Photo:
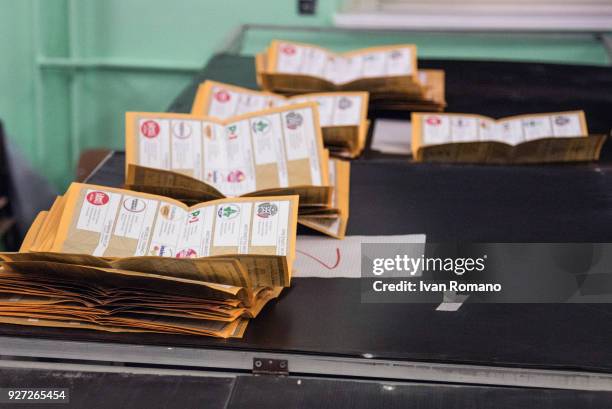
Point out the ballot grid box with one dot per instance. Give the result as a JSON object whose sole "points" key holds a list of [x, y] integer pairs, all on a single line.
{"points": [[319, 327]]}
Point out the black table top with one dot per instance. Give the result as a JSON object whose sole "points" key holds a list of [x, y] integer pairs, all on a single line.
{"points": [[326, 316], [129, 390], [468, 203]]}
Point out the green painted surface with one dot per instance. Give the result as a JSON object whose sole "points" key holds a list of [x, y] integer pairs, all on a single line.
{"points": [[53, 114]]}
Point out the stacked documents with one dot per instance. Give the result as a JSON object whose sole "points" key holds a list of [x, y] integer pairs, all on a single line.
{"points": [[117, 260], [278, 151], [389, 73], [343, 116], [532, 138]]}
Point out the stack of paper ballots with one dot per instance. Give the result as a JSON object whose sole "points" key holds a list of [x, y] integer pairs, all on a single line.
{"points": [[343, 116], [117, 260], [530, 138], [389, 73], [278, 151]]}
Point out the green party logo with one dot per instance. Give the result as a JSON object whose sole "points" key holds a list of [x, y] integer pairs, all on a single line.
{"points": [[232, 131], [228, 211], [261, 126]]}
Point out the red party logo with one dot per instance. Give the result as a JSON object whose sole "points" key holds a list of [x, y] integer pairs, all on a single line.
{"points": [[288, 49], [433, 121], [187, 253], [222, 96], [150, 129], [236, 176], [97, 198]]}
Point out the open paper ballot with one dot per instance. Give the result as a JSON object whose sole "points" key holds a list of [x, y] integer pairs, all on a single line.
{"points": [[117, 260], [547, 137], [290, 67], [109, 222], [277, 148], [273, 152], [325, 211], [342, 115]]}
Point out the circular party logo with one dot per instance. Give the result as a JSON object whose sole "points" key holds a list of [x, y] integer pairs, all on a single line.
{"points": [[222, 96], [97, 198], [134, 205], [181, 130], [187, 253], [294, 120], [149, 129], [561, 120], [288, 49], [261, 126], [236, 176], [344, 103], [228, 211], [266, 210], [433, 121]]}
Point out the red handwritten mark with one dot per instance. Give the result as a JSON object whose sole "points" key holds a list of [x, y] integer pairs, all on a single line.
{"points": [[321, 261]]}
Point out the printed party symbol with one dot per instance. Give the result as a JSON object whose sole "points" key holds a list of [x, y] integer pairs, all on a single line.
{"points": [[433, 121], [232, 132], [395, 54], [181, 130], [222, 96], [265, 210], [261, 126], [208, 132], [167, 212], [561, 120], [134, 205], [97, 198], [344, 103], [149, 129], [236, 176], [294, 120], [288, 49], [193, 217], [228, 211], [161, 250], [187, 253]]}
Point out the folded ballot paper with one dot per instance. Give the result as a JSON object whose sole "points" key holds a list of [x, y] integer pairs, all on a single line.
{"points": [[388, 73], [343, 116], [278, 151], [532, 138], [117, 260]]}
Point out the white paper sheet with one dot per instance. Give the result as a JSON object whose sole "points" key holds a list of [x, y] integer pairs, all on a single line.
{"points": [[392, 136], [327, 257]]}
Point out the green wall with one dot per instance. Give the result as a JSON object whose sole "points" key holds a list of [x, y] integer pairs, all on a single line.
{"points": [[71, 68]]}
